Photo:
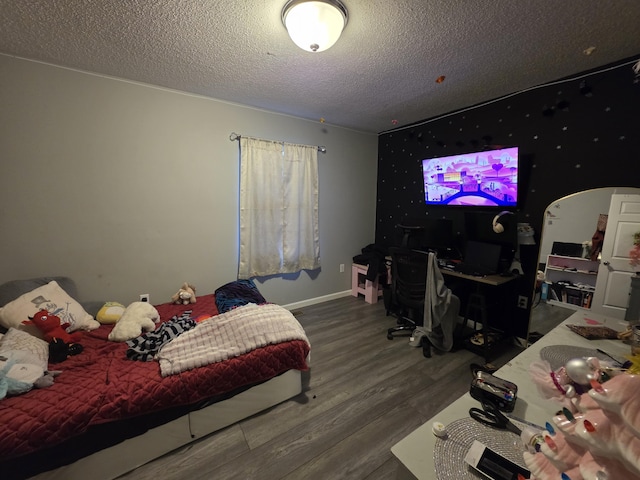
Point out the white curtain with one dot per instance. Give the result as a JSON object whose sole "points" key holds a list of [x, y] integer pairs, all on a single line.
{"points": [[278, 208]]}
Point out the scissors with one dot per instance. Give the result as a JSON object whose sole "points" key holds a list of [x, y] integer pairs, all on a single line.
{"points": [[491, 416]]}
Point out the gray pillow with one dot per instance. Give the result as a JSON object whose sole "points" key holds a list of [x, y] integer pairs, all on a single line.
{"points": [[11, 290]]}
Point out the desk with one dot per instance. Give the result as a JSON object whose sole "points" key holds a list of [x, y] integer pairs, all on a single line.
{"points": [[492, 280], [477, 301], [415, 452]]}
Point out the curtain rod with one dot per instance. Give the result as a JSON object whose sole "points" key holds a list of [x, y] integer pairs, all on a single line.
{"points": [[235, 136]]}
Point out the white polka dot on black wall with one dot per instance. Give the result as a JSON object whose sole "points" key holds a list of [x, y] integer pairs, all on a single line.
{"points": [[518, 129]]}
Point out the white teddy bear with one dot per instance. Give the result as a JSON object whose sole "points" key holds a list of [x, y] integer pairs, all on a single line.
{"points": [[138, 317]]}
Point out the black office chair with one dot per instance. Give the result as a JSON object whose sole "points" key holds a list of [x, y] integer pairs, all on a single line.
{"points": [[412, 235], [408, 284]]}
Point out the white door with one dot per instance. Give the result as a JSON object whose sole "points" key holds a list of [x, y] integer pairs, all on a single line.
{"points": [[614, 274]]}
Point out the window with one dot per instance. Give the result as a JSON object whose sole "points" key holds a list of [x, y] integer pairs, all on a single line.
{"points": [[278, 208]]}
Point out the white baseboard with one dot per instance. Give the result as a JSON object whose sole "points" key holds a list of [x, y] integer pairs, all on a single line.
{"points": [[313, 301]]}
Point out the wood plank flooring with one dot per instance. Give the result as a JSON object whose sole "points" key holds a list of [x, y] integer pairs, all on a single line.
{"points": [[545, 317], [365, 393]]}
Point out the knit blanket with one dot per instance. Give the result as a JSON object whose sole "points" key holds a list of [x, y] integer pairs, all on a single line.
{"points": [[229, 335]]}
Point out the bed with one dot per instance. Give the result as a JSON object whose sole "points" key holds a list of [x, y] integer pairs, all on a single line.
{"points": [[106, 414]]}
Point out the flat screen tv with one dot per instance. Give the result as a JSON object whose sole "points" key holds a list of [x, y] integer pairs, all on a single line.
{"points": [[480, 179]]}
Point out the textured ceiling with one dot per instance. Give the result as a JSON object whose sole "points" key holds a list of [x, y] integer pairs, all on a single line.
{"points": [[381, 73]]}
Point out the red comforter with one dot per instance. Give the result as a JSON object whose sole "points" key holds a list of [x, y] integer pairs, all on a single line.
{"points": [[100, 385]]}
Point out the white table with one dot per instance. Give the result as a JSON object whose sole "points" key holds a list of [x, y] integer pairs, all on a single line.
{"points": [[415, 452]]}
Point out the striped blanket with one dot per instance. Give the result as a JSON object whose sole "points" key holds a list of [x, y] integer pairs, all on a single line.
{"points": [[229, 335]]}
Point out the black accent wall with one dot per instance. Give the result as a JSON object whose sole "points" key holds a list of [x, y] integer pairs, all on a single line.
{"points": [[573, 134]]}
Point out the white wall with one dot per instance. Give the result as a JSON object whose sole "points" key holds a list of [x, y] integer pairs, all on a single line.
{"points": [[132, 189]]}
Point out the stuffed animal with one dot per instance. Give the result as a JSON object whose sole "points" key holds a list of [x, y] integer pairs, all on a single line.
{"points": [[110, 313], [18, 377], [8, 384], [51, 327], [138, 317], [59, 351], [185, 296]]}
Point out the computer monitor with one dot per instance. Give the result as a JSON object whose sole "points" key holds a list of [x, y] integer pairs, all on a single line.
{"points": [[479, 228]]}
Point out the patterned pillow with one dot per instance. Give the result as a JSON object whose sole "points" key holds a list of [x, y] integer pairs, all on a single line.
{"points": [[48, 297], [22, 347]]}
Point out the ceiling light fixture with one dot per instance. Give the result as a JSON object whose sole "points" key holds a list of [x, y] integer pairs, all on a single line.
{"points": [[314, 26]]}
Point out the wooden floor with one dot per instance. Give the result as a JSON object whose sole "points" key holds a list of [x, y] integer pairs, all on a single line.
{"points": [[545, 317], [365, 393]]}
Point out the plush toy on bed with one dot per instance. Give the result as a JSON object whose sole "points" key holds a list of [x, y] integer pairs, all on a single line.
{"points": [[9, 385], [185, 296], [51, 327], [110, 313], [59, 350], [18, 377], [137, 318]]}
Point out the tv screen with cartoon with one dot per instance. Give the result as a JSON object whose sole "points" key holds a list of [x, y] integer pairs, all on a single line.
{"points": [[483, 179]]}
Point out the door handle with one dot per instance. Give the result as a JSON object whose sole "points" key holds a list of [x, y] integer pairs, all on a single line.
{"points": [[605, 263]]}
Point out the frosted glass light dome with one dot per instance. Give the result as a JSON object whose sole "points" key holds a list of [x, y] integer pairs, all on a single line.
{"points": [[314, 26]]}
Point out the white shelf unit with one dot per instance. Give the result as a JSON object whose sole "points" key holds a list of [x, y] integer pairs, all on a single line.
{"points": [[571, 281]]}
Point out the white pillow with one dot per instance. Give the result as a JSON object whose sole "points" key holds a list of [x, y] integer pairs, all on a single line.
{"points": [[22, 347], [48, 297]]}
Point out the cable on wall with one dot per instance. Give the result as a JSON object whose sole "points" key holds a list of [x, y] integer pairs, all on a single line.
{"points": [[636, 65], [236, 136]]}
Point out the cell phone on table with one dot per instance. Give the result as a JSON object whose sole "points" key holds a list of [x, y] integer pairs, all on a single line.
{"points": [[493, 465]]}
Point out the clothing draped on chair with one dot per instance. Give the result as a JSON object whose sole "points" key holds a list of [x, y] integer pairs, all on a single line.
{"points": [[441, 309], [278, 208]]}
